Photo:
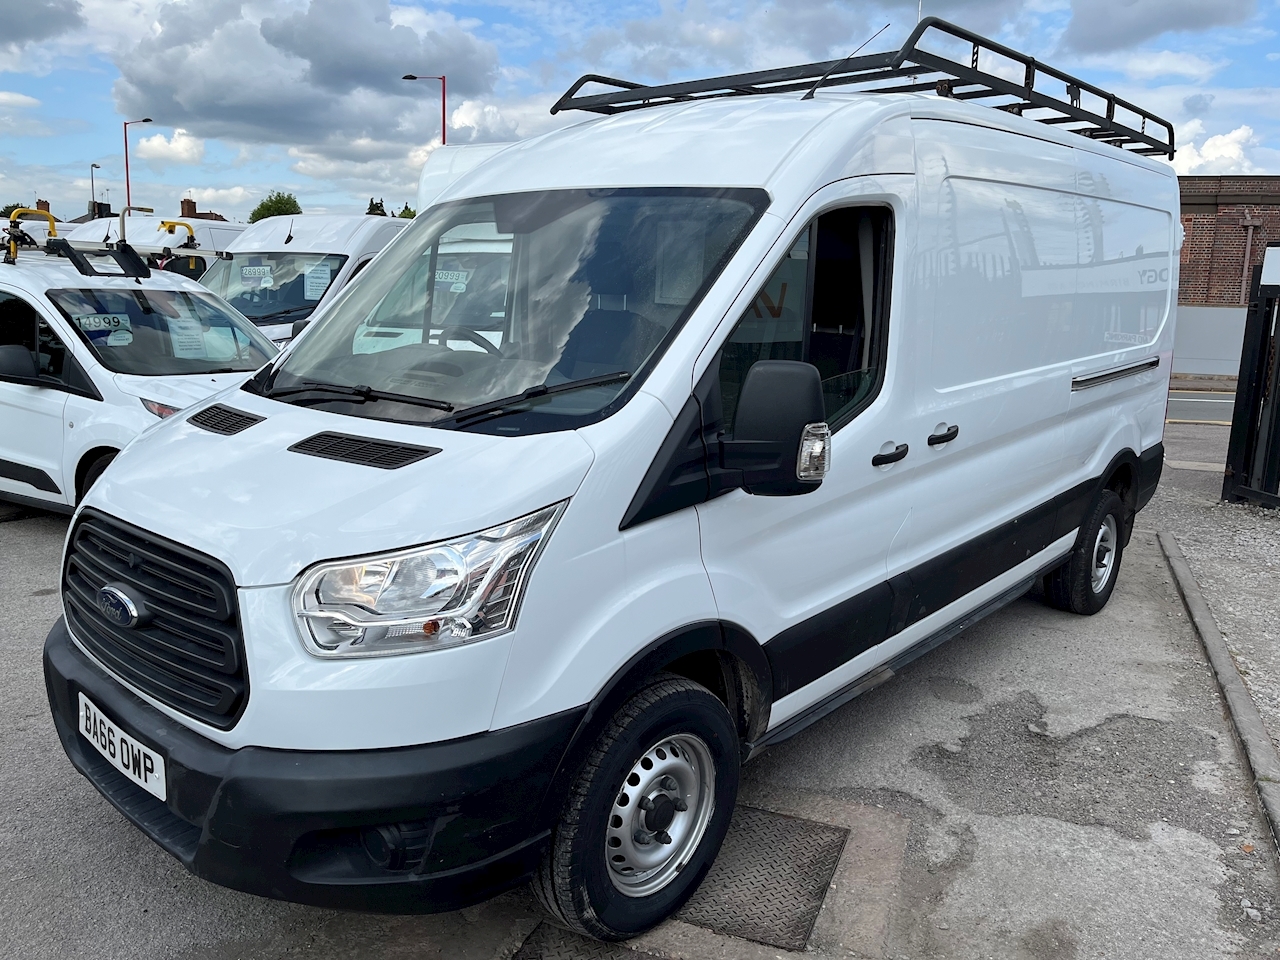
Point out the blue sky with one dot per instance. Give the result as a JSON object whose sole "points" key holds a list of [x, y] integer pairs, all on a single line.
{"points": [[305, 95]]}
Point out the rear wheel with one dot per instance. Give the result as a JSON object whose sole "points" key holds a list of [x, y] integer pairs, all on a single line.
{"points": [[647, 814], [1084, 583]]}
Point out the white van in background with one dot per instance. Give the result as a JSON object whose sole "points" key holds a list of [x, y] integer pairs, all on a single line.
{"points": [[282, 269], [95, 347], [786, 389], [186, 247]]}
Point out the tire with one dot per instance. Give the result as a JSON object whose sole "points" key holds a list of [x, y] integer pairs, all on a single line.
{"points": [[1084, 583], [583, 881], [93, 473]]}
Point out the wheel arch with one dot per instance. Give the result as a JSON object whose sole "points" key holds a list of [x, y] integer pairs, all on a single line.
{"points": [[87, 460], [1122, 475], [721, 656]]}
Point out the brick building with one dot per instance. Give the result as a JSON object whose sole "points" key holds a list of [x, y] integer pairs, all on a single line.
{"points": [[1228, 222], [1225, 217]]}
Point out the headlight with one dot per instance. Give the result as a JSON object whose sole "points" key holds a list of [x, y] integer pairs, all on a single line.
{"points": [[424, 598]]}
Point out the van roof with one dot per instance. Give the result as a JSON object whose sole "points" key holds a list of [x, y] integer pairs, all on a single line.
{"points": [[310, 232], [783, 144], [36, 272], [153, 234]]}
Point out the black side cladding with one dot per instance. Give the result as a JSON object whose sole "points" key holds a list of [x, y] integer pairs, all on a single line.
{"points": [[25, 474], [815, 647]]}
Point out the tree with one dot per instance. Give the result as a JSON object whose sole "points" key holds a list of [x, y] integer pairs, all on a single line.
{"points": [[376, 209], [275, 204], [407, 213], [8, 208]]}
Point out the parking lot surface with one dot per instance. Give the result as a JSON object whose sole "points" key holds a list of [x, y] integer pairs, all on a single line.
{"points": [[1045, 786]]}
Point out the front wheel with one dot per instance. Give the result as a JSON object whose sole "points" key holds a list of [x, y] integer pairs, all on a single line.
{"points": [[647, 814], [1084, 583]]}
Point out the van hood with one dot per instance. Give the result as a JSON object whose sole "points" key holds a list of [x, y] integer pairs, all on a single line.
{"points": [[268, 513], [180, 392]]}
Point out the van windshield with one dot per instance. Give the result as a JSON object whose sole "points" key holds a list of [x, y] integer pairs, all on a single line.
{"points": [[541, 308], [162, 332], [274, 287]]}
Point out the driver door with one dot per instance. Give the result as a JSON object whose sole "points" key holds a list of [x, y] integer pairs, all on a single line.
{"points": [[31, 416], [807, 575]]}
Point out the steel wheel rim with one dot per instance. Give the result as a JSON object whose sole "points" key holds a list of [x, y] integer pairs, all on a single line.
{"points": [[677, 771], [1104, 553]]}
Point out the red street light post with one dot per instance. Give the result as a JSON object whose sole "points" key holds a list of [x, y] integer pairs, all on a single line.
{"points": [[443, 98], [128, 196]]}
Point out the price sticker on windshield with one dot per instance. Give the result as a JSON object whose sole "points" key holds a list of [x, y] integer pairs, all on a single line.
{"points": [[253, 273], [103, 322], [452, 276]]}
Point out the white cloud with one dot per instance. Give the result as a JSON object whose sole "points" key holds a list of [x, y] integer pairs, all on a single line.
{"points": [[226, 196], [182, 147], [1102, 25], [1150, 64], [1225, 153], [10, 99]]}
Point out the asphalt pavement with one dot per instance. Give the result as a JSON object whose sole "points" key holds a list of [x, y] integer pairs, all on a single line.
{"points": [[1201, 406], [1043, 787]]}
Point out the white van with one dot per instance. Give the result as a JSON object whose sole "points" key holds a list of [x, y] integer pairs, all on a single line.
{"points": [[787, 391], [95, 348], [283, 269], [186, 247]]}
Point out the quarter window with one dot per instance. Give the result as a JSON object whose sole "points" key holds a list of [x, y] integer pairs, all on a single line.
{"points": [[827, 303]]}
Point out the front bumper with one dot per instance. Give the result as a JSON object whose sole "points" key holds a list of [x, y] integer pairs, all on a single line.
{"points": [[292, 824]]}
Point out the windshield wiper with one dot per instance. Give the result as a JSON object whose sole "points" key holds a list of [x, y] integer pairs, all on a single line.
{"points": [[505, 405], [365, 393], [280, 313]]}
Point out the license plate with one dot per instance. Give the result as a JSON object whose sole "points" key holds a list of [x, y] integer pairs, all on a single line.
{"points": [[140, 764]]}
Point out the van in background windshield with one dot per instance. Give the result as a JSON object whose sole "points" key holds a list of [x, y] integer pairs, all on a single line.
{"points": [[283, 269]]}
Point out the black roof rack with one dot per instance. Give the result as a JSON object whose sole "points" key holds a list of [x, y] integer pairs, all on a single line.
{"points": [[1080, 108], [131, 265]]}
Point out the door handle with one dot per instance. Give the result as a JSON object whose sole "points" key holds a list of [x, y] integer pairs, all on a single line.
{"points": [[884, 459], [946, 436]]}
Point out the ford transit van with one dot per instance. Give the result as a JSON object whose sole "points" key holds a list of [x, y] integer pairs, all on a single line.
{"points": [[777, 387], [95, 347], [282, 269]]}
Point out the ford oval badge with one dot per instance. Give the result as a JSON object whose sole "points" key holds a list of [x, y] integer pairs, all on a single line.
{"points": [[118, 607]]}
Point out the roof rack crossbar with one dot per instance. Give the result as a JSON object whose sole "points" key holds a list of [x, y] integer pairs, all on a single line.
{"points": [[131, 265], [870, 71]]}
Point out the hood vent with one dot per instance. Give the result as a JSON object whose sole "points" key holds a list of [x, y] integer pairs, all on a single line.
{"points": [[224, 420], [368, 453]]}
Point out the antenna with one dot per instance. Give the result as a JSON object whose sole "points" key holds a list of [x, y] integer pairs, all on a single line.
{"points": [[289, 238], [841, 63]]}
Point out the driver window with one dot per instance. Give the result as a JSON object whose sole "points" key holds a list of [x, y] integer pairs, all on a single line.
{"points": [[827, 303], [17, 323]]}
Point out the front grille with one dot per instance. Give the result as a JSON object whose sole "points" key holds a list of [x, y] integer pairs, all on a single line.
{"points": [[224, 420], [189, 654], [361, 450]]}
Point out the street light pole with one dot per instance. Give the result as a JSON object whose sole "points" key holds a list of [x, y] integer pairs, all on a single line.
{"points": [[128, 194], [444, 97], [93, 194]]}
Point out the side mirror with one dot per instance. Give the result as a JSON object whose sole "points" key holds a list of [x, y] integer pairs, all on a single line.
{"points": [[16, 362], [299, 326], [781, 441]]}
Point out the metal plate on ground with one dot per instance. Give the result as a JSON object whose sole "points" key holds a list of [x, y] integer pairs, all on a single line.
{"points": [[769, 880], [549, 942]]}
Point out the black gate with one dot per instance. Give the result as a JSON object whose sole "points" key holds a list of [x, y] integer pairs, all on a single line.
{"points": [[1253, 455]]}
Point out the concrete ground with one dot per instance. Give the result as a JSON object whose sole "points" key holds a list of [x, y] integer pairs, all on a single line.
{"points": [[1234, 551], [1044, 787]]}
